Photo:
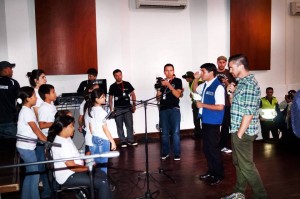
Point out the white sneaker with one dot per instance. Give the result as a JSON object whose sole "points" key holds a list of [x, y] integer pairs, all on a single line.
{"points": [[226, 150], [235, 196]]}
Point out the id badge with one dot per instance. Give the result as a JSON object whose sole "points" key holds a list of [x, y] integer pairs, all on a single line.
{"points": [[164, 96]]}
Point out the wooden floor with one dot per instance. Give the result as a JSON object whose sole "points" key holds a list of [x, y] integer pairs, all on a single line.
{"points": [[279, 169]]}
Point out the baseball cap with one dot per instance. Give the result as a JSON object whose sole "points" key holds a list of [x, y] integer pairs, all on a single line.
{"points": [[188, 74], [4, 64]]}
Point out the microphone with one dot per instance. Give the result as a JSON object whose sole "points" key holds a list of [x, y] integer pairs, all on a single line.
{"points": [[49, 143], [109, 154], [111, 115]]}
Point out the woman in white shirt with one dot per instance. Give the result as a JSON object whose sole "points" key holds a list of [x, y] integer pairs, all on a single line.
{"points": [[37, 78], [28, 132], [73, 172]]}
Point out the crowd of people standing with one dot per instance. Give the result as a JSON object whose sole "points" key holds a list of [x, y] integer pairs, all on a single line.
{"points": [[227, 112]]}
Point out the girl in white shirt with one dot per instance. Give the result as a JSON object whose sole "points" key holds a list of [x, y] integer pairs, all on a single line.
{"points": [[101, 137], [37, 78], [28, 132], [73, 172]]}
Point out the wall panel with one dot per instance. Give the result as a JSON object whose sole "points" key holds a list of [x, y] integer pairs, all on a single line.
{"points": [[66, 36], [250, 31]]}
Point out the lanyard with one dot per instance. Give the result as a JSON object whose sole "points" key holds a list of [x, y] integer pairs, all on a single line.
{"points": [[167, 87], [203, 91], [122, 85]]}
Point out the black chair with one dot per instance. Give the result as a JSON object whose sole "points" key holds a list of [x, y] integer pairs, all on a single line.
{"points": [[81, 192]]}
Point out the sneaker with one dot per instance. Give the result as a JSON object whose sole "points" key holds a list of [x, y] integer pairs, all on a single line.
{"points": [[205, 177], [226, 150], [177, 158], [235, 196], [123, 144], [132, 143], [215, 180], [163, 157]]}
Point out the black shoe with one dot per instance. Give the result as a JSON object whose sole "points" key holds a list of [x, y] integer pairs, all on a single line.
{"points": [[215, 180], [205, 177], [132, 143], [124, 144]]}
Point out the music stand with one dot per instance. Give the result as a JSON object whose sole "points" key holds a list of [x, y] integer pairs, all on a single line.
{"points": [[148, 193]]}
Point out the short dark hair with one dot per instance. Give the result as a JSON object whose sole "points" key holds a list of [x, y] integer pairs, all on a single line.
{"points": [[116, 71], [240, 59], [45, 89], [269, 88], [168, 64], [92, 71], [210, 67]]}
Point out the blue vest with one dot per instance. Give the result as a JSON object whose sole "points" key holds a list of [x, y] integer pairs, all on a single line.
{"points": [[212, 116]]}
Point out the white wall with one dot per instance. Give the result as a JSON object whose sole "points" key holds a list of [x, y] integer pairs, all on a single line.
{"points": [[141, 41]]}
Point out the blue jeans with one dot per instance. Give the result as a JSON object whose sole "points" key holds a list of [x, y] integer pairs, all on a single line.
{"points": [[100, 146], [8, 129], [124, 116], [30, 189], [169, 121], [40, 155]]}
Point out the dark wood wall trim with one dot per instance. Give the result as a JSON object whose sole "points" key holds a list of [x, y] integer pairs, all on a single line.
{"points": [[66, 36], [250, 31]]}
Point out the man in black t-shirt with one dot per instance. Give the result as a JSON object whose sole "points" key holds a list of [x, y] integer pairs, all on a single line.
{"points": [[169, 112], [9, 89], [121, 93], [92, 76], [226, 78]]}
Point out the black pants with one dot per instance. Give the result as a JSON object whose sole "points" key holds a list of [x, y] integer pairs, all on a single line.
{"points": [[211, 139], [266, 127], [100, 183], [225, 137], [197, 129]]}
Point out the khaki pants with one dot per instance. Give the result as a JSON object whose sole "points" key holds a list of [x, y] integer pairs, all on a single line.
{"points": [[246, 171]]}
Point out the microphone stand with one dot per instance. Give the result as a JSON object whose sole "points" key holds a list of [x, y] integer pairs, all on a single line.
{"points": [[148, 193]]}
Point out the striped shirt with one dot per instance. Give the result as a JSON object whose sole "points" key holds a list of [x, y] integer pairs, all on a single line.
{"points": [[246, 101]]}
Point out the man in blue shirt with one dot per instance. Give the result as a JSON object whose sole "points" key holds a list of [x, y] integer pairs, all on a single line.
{"points": [[211, 111]]}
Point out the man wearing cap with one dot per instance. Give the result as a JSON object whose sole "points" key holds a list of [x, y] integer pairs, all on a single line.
{"points": [[9, 89], [226, 78], [189, 77]]}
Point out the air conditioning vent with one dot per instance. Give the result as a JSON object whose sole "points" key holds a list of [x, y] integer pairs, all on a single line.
{"points": [[295, 8], [173, 4]]}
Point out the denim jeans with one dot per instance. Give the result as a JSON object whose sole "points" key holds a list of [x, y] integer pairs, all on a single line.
{"points": [[40, 155], [100, 146], [8, 129], [124, 116], [30, 189], [169, 120]]}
